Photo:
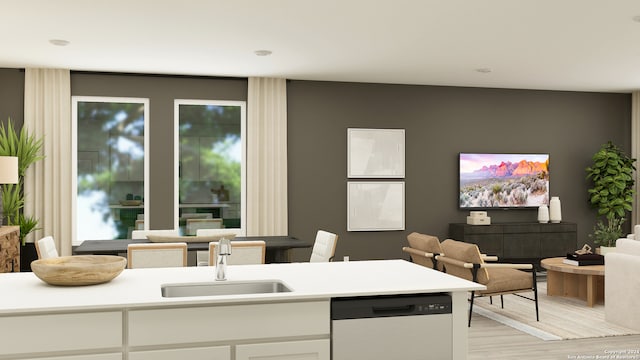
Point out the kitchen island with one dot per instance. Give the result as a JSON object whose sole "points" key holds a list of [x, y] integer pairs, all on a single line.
{"points": [[128, 318]]}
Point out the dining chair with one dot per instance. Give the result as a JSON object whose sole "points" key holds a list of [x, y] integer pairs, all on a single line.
{"points": [[156, 255], [242, 252], [194, 224], [215, 232], [46, 248], [142, 234], [324, 247]]}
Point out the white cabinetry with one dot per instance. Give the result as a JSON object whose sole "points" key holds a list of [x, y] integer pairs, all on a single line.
{"points": [[256, 331], [292, 350], [200, 353], [34, 336]]}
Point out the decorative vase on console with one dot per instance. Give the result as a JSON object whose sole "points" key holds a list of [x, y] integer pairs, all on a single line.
{"points": [[555, 210], [543, 214]]}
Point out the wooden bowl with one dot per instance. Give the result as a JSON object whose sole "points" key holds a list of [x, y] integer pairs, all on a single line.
{"points": [[130, 202], [79, 269]]}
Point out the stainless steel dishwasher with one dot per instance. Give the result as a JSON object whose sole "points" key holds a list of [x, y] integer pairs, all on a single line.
{"points": [[392, 327]]}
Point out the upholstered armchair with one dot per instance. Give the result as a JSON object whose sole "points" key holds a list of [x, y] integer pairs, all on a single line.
{"points": [[423, 250], [622, 284], [464, 260]]}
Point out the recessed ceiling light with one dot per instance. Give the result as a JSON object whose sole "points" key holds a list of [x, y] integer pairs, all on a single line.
{"points": [[484, 70], [636, 18], [59, 42], [262, 52]]}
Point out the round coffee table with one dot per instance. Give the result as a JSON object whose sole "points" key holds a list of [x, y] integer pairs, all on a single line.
{"points": [[582, 282]]}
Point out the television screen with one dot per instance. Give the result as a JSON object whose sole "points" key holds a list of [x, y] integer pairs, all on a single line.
{"points": [[503, 180]]}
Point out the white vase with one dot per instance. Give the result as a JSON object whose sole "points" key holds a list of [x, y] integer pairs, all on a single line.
{"points": [[543, 214], [555, 210]]}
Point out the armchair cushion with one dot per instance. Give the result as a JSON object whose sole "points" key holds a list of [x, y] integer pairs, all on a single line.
{"points": [[465, 252], [507, 280]]}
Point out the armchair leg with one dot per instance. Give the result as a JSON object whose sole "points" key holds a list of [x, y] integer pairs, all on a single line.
{"points": [[471, 308], [501, 301], [491, 300], [535, 292]]}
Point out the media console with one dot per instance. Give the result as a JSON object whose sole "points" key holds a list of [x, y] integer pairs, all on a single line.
{"points": [[519, 241]]}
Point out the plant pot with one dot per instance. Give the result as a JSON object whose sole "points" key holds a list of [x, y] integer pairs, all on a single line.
{"points": [[28, 254], [605, 249]]}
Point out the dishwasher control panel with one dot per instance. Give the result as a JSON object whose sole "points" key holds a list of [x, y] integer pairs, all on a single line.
{"points": [[394, 305]]}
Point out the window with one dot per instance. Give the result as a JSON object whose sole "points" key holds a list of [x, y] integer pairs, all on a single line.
{"points": [[210, 153], [111, 166]]}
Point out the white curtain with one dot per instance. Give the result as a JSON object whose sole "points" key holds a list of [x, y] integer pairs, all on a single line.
{"points": [[47, 115], [267, 212], [635, 152]]}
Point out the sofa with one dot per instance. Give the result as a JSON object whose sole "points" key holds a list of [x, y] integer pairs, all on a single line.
{"points": [[622, 289], [635, 235]]}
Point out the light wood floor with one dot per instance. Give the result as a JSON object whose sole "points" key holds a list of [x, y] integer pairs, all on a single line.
{"points": [[490, 340]]}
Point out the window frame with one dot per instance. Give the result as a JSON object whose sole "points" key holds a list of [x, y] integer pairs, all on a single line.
{"points": [[75, 100], [243, 168]]}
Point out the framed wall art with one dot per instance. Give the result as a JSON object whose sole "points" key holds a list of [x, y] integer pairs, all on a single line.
{"points": [[375, 153]]}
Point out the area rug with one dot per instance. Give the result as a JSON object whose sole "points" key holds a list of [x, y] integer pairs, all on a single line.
{"points": [[560, 318]]}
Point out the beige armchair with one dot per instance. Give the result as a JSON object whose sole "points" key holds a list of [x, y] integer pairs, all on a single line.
{"points": [[423, 250], [464, 260]]}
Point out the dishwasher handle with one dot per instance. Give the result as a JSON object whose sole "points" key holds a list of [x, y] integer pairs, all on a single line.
{"points": [[393, 310]]}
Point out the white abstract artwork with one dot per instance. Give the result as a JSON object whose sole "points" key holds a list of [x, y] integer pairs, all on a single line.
{"points": [[375, 205], [375, 153]]}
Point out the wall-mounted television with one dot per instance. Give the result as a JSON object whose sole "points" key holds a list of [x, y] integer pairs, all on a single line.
{"points": [[506, 181]]}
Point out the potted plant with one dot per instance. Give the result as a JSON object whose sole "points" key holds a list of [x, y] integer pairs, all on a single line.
{"points": [[27, 148], [611, 193]]}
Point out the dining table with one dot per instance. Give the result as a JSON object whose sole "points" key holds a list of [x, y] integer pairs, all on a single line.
{"points": [[278, 248]]}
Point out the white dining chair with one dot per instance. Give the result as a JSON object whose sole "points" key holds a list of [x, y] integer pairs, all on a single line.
{"points": [[194, 224], [242, 252], [46, 248], [324, 248], [142, 234], [156, 255]]}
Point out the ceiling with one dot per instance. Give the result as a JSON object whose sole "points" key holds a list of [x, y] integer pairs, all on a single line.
{"points": [[575, 45]]}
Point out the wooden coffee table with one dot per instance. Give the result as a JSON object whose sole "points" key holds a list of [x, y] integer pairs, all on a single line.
{"points": [[582, 282]]}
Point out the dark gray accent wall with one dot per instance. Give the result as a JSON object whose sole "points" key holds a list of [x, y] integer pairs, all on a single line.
{"points": [[440, 122], [161, 91], [12, 96]]}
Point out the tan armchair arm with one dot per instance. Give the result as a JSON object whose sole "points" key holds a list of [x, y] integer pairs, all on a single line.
{"points": [[486, 257], [417, 252], [454, 262], [509, 266]]}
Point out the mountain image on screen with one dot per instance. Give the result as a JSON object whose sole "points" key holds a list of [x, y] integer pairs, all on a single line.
{"points": [[503, 180]]}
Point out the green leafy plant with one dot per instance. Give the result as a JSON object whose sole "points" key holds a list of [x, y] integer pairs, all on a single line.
{"points": [[612, 191], [27, 224], [28, 150]]}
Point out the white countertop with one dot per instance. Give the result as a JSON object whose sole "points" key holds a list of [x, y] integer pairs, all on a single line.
{"points": [[24, 292]]}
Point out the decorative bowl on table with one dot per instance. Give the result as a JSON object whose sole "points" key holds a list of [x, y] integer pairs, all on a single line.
{"points": [[79, 269], [130, 202]]}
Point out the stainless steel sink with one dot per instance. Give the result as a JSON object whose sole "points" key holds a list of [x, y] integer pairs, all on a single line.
{"points": [[224, 288]]}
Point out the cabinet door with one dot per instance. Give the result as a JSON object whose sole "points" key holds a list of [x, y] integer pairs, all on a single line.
{"points": [[557, 244], [61, 332], [200, 353], [292, 350], [521, 246], [115, 356], [490, 244]]}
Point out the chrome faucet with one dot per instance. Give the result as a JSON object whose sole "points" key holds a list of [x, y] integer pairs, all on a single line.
{"points": [[223, 250]]}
